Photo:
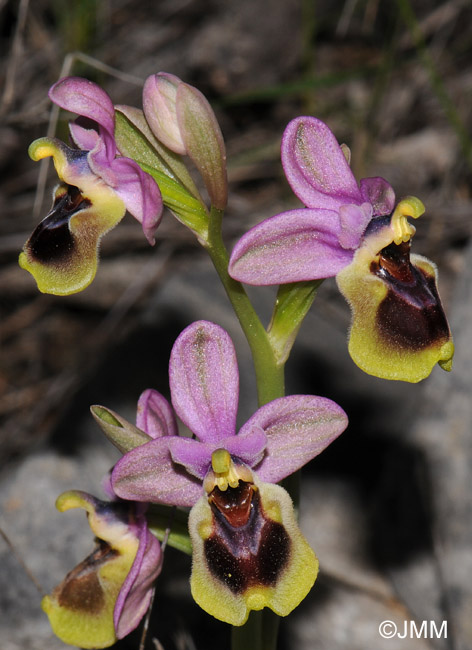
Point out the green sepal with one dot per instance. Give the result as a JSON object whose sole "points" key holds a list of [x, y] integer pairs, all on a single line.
{"points": [[124, 435], [160, 518], [291, 306], [135, 139], [179, 193], [185, 207]]}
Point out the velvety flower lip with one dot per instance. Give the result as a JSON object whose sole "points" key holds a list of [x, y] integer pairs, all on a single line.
{"points": [[399, 329], [319, 240], [248, 552], [204, 389], [105, 597], [97, 187]]}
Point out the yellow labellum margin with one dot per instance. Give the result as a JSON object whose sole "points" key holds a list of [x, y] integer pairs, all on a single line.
{"points": [[399, 329], [248, 551], [81, 608], [62, 252]]}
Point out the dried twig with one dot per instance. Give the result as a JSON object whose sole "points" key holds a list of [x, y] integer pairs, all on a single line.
{"points": [[20, 560], [12, 65]]}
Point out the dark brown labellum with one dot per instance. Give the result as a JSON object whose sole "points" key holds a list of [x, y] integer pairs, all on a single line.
{"points": [[52, 240], [81, 589], [246, 548], [411, 314]]}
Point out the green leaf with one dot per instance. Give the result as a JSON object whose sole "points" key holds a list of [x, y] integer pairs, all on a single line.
{"points": [[291, 306], [187, 209], [160, 518]]}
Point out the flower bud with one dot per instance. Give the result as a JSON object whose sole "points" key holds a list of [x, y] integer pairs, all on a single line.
{"points": [[159, 106], [183, 120]]}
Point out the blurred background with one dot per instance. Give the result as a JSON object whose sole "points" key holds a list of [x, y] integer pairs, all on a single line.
{"points": [[387, 508]]}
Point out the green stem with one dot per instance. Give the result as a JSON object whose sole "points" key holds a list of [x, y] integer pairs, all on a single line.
{"points": [[260, 630], [269, 373]]}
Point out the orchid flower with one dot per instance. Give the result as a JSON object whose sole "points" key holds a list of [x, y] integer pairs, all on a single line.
{"points": [[97, 187], [354, 232], [105, 597], [248, 552]]}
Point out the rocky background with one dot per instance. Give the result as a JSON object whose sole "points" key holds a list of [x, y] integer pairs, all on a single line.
{"points": [[388, 507]]}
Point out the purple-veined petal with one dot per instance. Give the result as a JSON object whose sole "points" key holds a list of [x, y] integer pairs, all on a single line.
{"points": [[379, 193], [147, 473], [140, 193], [289, 247], [155, 415], [315, 165], [85, 98], [298, 428], [354, 220], [135, 594], [204, 381]]}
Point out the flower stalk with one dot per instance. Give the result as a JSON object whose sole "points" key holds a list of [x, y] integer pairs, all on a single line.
{"points": [[269, 373]]}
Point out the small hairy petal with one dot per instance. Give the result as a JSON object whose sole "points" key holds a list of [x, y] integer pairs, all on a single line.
{"points": [[194, 455], [315, 165], [155, 415], [204, 381], [290, 247], [248, 446], [85, 139], [298, 428], [379, 193]]}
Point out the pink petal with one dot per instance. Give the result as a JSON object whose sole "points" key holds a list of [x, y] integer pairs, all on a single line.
{"points": [[194, 455], [85, 98], [155, 415], [140, 193], [379, 194], [289, 247], [298, 428], [204, 382], [248, 446], [354, 220], [135, 594], [85, 139], [147, 473], [315, 165]]}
